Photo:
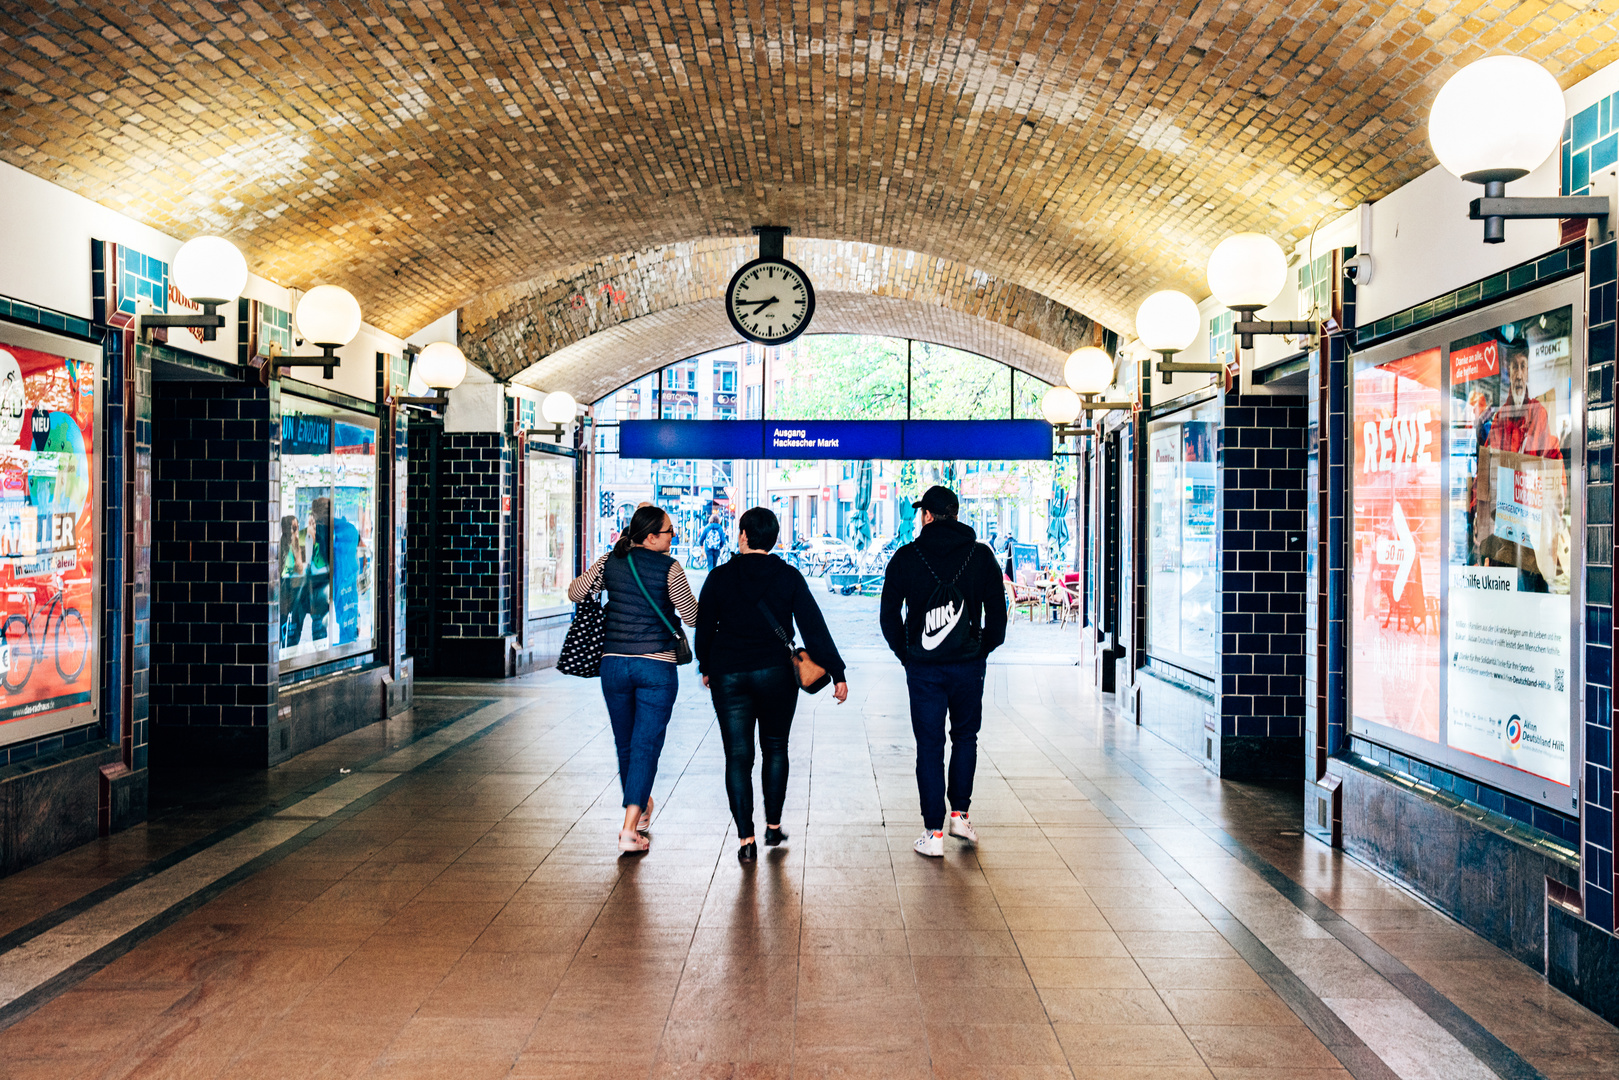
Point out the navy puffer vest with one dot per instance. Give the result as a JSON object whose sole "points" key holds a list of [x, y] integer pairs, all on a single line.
{"points": [[633, 628]]}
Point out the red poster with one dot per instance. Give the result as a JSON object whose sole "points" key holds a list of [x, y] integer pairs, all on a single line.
{"points": [[47, 534], [1398, 511]]}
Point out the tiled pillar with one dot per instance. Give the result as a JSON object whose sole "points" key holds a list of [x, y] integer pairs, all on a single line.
{"points": [[214, 608], [460, 498], [1597, 848], [1262, 587]]}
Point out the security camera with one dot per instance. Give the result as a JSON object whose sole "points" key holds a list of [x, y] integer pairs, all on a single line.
{"points": [[1359, 269]]}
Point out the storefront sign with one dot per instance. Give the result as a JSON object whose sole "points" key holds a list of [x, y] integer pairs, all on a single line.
{"points": [[48, 531]]}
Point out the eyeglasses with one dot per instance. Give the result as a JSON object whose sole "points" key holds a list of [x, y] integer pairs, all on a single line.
{"points": [[670, 531]]}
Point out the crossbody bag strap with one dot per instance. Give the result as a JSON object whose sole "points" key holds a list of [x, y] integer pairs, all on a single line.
{"points": [[636, 574], [770, 617]]}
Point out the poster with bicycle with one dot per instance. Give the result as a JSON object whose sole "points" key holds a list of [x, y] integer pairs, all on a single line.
{"points": [[48, 533]]}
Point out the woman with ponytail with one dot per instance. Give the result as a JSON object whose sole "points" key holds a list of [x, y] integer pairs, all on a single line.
{"points": [[648, 596]]}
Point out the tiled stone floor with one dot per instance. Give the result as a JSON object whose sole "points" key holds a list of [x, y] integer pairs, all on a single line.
{"points": [[455, 907]]}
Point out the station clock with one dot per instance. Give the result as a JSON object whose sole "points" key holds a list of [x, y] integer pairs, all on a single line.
{"points": [[770, 300]]}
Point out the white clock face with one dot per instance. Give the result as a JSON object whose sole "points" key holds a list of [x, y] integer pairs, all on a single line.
{"points": [[771, 301]]}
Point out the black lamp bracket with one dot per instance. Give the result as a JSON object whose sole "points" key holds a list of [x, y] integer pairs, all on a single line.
{"points": [[1104, 406], [1246, 326], [1169, 368], [1495, 208], [433, 402], [329, 361], [1064, 432], [210, 322]]}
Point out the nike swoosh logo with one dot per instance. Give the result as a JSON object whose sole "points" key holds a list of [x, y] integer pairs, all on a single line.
{"points": [[938, 624]]}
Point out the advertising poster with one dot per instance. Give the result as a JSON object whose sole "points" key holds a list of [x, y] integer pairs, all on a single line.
{"points": [[1509, 637], [47, 535], [1182, 621], [1398, 438], [550, 531], [327, 535]]}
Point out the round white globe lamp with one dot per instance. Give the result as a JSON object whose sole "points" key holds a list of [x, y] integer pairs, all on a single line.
{"points": [[209, 270], [1497, 119], [441, 366], [1167, 322], [558, 407], [1247, 271], [1060, 406], [1088, 371], [328, 316]]}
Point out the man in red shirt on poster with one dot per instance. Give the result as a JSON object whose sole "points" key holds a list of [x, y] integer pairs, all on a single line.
{"points": [[1520, 424]]}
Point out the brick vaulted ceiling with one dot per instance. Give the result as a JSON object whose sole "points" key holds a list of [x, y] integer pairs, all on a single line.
{"points": [[441, 154]]}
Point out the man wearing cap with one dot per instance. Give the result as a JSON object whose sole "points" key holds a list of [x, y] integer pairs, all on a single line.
{"points": [[954, 616]]}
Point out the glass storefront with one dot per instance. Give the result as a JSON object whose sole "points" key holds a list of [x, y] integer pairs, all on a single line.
{"points": [[548, 545], [1466, 504], [1183, 625], [326, 532]]}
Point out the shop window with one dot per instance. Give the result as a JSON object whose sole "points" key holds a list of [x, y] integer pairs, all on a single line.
{"points": [[1464, 630], [49, 533], [326, 532], [549, 541], [1183, 607]]}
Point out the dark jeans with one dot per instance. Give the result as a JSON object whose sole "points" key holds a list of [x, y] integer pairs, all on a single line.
{"points": [[937, 690], [640, 695], [742, 700], [713, 558]]}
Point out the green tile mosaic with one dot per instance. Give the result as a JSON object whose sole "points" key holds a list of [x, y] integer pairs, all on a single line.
{"points": [[1556, 264], [1590, 142]]}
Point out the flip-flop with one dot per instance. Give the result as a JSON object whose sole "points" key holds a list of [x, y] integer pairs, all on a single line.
{"points": [[632, 842], [644, 826]]}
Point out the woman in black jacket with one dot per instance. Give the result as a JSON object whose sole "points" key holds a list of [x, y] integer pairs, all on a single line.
{"points": [[746, 663]]}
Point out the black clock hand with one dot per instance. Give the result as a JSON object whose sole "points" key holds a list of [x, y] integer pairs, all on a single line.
{"points": [[759, 305]]}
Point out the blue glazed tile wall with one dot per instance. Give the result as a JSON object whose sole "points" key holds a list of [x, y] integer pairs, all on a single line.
{"points": [[1261, 581], [1597, 848], [474, 482], [214, 607]]}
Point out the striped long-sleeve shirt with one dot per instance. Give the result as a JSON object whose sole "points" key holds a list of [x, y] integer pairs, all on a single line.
{"points": [[680, 595]]}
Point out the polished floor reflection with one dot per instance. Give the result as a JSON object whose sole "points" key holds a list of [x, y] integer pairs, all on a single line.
{"points": [[453, 905]]}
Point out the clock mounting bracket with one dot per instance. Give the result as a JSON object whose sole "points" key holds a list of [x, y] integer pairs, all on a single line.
{"points": [[772, 241]]}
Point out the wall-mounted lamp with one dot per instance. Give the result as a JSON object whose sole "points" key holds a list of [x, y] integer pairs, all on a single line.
{"points": [[1246, 273], [328, 317], [1089, 372], [441, 366], [1496, 120], [1166, 323], [209, 271], [558, 409]]}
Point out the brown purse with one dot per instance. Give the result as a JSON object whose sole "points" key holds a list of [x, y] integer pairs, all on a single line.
{"points": [[812, 677]]}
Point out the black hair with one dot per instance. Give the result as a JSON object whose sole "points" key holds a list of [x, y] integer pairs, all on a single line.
{"points": [[645, 522], [761, 528]]}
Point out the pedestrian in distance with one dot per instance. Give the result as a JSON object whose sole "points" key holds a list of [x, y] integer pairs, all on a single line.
{"points": [[744, 629], [713, 540], [942, 614], [648, 596]]}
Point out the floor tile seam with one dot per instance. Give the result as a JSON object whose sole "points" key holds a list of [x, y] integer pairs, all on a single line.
{"points": [[1490, 1050], [156, 866], [1300, 999], [72, 974]]}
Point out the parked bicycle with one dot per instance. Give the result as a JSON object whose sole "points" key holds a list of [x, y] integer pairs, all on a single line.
{"points": [[20, 650]]}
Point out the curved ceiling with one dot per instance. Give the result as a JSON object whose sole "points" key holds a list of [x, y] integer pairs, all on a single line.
{"points": [[603, 361], [426, 153], [508, 330]]}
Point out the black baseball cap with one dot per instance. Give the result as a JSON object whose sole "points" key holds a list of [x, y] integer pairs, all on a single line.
{"points": [[938, 500]]}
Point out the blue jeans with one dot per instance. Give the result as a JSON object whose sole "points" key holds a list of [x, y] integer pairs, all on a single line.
{"points": [[938, 690], [640, 695]]}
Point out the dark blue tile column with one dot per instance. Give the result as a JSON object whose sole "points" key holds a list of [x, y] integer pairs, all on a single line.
{"points": [[1597, 845], [459, 577], [215, 478], [1262, 586]]}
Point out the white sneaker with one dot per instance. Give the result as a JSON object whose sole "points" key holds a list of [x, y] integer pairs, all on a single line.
{"points": [[960, 826], [931, 844]]}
